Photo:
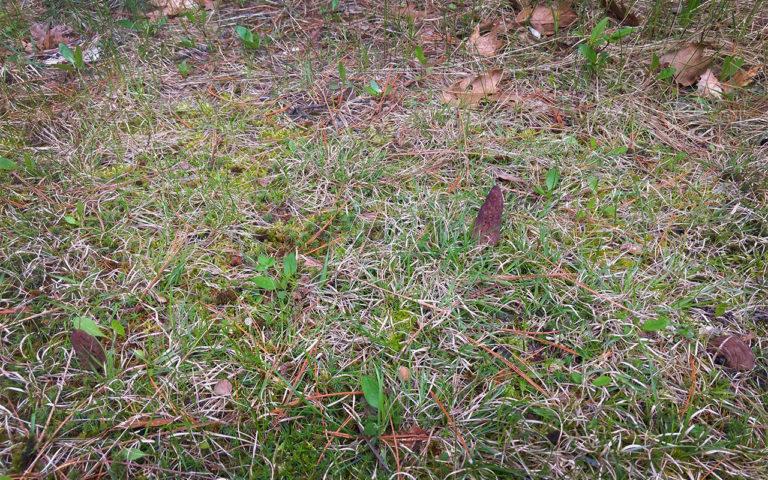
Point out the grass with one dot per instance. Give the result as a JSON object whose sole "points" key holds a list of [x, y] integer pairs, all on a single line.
{"points": [[151, 199]]}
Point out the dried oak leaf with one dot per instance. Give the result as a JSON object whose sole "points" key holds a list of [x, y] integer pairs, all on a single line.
{"points": [[88, 350], [620, 12], [733, 350], [689, 63], [223, 388], [471, 90], [546, 19], [709, 86], [171, 8], [409, 10], [487, 227], [486, 44], [47, 37], [741, 79]]}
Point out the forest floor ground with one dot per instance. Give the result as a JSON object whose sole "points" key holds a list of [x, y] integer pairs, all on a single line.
{"points": [[268, 231]]}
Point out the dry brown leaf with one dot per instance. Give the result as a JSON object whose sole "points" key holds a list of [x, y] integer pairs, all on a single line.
{"points": [[170, 8], [621, 12], [689, 63], [733, 350], [310, 262], [487, 227], [47, 37], [546, 19], [741, 79], [223, 388], [486, 45], [471, 90], [88, 350], [409, 10], [710, 86], [505, 176]]}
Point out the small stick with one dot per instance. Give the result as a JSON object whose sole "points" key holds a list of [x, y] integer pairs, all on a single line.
{"points": [[692, 388], [511, 365], [451, 423]]}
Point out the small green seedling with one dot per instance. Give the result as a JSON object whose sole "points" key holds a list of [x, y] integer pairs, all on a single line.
{"points": [[342, 74], [279, 282], [73, 57], [184, 68], [251, 41], [592, 47], [7, 164]]}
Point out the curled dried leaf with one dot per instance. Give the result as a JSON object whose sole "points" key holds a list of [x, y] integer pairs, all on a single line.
{"points": [[547, 19], [741, 79], [47, 37], [620, 12], [689, 63], [733, 350], [172, 8], [471, 90], [487, 227], [409, 10], [223, 388], [88, 350], [709, 86], [485, 44]]}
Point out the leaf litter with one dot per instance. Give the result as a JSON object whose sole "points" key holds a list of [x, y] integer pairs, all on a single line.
{"points": [[472, 89], [733, 350], [546, 20], [488, 43], [47, 36], [689, 63], [487, 227], [88, 350]]}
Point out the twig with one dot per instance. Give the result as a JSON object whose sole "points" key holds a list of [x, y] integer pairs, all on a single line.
{"points": [[692, 388], [511, 365], [451, 423]]}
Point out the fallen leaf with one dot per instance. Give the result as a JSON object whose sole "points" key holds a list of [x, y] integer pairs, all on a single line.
{"points": [[617, 10], [741, 79], [472, 89], [546, 19], [409, 10], [487, 44], [223, 388], [734, 350], [310, 262], [170, 8], [710, 86], [235, 260], [487, 227], [47, 37], [88, 350], [369, 216], [689, 63], [505, 176], [225, 296]]}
